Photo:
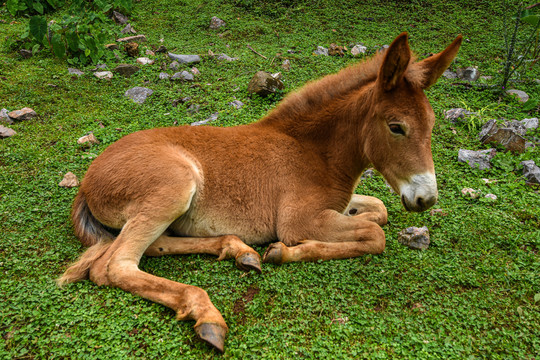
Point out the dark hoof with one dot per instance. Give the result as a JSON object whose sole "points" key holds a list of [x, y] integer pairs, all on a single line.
{"points": [[249, 261], [274, 253], [212, 334]]}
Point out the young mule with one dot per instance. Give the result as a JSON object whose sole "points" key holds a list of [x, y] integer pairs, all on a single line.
{"points": [[289, 177]]}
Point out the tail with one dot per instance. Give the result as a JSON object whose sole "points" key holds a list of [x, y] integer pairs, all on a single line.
{"points": [[91, 233]]}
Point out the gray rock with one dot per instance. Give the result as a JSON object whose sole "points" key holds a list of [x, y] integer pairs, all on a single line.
{"points": [[193, 108], [126, 69], [517, 126], [530, 124], [88, 139], [226, 57], [286, 65], [138, 94], [468, 74], [531, 172], [368, 174], [358, 49], [6, 132], [25, 53], [321, 51], [264, 84], [69, 181], [184, 76], [76, 72], [456, 115], [449, 74], [164, 76], [236, 104], [488, 128], [477, 159], [4, 117], [521, 95], [112, 47], [174, 65], [128, 30], [23, 114], [491, 196], [185, 59], [120, 18], [415, 238], [211, 118], [132, 38], [103, 75], [510, 136], [216, 23]]}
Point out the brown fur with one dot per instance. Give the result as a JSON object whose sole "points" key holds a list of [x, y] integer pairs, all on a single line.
{"points": [[288, 177]]}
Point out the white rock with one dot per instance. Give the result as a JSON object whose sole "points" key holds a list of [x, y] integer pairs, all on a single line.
{"points": [[69, 181], [358, 49], [521, 95], [103, 75], [145, 61], [90, 139]]}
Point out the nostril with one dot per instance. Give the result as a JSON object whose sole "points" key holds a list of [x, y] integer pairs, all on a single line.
{"points": [[420, 202]]}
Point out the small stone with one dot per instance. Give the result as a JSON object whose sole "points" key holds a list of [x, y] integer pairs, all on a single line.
{"points": [[468, 74], [488, 181], [145, 61], [449, 74], [477, 159], [103, 75], [531, 172], [161, 49], [286, 65], [132, 49], [174, 65], [264, 84], [216, 23], [185, 59], [469, 192], [415, 238], [521, 95], [508, 138], [336, 50], [132, 38], [530, 124], [226, 57], [88, 139], [491, 196], [138, 94], [128, 30], [368, 174], [211, 118], [195, 71], [6, 132], [321, 51], [69, 181], [184, 76], [488, 128], [23, 114], [358, 49], [76, 72], [126, 69], [164, 76], [26, 54], [119, 18], [150, 52], [4, 117], [457, 114], [112, 47], [237, 104]]}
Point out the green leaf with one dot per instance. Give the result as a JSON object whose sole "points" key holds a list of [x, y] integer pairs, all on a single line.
{"points": [[530, 104], [15, 6], [58, 46], [35, 49], [72, 40], [38, 28], [87, 52], [537, 297], [38, 7], [531, 19]]}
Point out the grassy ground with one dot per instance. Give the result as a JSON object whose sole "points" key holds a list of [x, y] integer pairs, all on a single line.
{"points": [[472, 294]]}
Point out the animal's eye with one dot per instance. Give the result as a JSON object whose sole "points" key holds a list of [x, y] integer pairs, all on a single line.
{"points": [[397, 129]]}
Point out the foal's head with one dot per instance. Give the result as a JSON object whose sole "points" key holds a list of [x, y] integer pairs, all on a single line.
{"points": [[398, 135]]}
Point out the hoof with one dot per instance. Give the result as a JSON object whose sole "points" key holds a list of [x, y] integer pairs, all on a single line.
{"points": [[274, 253], [212, 334], [249, 261]]}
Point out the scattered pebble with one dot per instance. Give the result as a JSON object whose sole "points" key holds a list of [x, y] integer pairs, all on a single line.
{"points": [[76, 72], [184, 76], [120, 18], [531, 172], [449, 74], [103, 75], [185, 59], [69, 181], [491, 196], [477, 159], [26, 54], [469, 192], [521, 95], [128, 30], [216, 23], [236, 104], [164, 76], [336, 50], [457, 114], [145, 61], [23, 114], [468, 74], [321, 51], [211, 118], [126, 69], [286, 65], [88, 139], [139, 94], [4, 117], [226, 57], [414, 238], [6, 132], [112, 47], [358, 49], [264, 83], [132, 38], [195, 71], [132, 49]]}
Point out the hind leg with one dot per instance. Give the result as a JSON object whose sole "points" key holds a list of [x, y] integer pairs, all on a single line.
{"points": [[224, 247]]}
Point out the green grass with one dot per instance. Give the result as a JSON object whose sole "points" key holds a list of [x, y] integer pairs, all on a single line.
{"points": [[470, 295]]}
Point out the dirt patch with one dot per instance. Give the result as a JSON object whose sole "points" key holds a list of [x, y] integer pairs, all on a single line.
{"points": [[240, 304]]}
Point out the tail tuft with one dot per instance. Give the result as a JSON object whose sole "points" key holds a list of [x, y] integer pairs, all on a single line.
{"points": [[87, 228]]}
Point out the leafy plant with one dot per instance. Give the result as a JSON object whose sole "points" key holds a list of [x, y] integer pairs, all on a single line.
{"points": [[33, 6]]}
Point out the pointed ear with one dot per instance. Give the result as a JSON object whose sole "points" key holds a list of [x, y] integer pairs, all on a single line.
{"points": [[396, 61], [434, 66]]}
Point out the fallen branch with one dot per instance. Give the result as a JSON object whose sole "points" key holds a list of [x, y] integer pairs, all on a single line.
{"points": [[255, 51]]}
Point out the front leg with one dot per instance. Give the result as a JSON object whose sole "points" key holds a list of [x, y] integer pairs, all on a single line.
{"points": [[332, 236]]}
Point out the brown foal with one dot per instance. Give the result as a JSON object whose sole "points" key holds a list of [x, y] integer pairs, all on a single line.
{"points": [[288, 177]]}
